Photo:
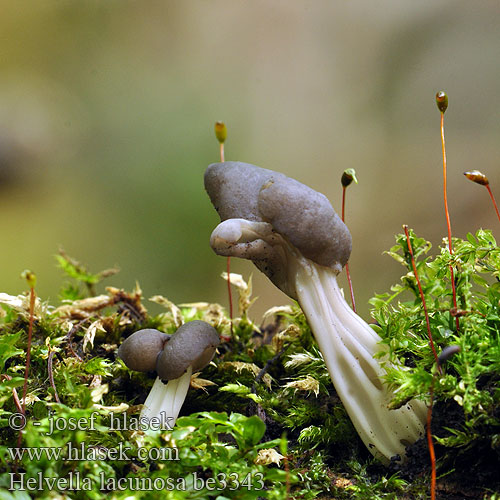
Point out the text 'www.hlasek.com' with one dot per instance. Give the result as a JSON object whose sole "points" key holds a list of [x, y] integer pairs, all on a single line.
{"points": [[74, 452]]}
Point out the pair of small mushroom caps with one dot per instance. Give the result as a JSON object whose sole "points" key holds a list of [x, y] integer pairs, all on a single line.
{"points": [[174, 357]]}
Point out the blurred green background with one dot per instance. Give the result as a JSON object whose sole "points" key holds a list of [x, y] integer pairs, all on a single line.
{"points": [[106, 126]]}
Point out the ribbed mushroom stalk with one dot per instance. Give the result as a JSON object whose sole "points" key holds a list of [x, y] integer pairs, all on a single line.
{"points": [[175, 358], [294, 236], [165, 400]]}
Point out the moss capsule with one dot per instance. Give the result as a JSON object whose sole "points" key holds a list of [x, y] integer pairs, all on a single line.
{"points": [[348, 176], [477, 177], [220, 131], [442, 101]]}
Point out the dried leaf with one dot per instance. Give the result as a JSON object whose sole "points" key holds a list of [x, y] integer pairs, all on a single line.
{"points": [[291, 332], [30, 399], [213, 313], [96, 381], [13, 301], [98, 392], [174, 310], [268, 456], [132, 300], [115, 409], [83, 308], [200, 383], [306, 384], [89, 336], [342, 482], [195, 305], [21, 303], [244, 291], [299, 359], [236, 280], [278, 310]]}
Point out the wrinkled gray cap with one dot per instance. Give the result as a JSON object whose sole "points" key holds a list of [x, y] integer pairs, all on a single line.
{"points": [[194, 344], [300, 214], [140, 351]]}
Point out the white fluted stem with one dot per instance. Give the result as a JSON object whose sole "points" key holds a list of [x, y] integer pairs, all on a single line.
{"points": [[348, 345], [346, 342], [165, 400]]}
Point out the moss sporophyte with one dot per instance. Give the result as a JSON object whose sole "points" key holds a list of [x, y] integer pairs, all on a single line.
{"points": [[263, 419]]}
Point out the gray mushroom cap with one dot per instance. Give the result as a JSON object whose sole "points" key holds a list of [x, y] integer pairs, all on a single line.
{"points": [[297, 212], [140, 351], [194, 344]]}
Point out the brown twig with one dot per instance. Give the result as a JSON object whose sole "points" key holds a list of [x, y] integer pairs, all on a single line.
{"points": [[132, 311], [51, 375], [265, 368], [15, 397], [462, 312], [69, 337]]}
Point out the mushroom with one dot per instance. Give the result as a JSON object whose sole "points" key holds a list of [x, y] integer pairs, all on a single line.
{"points": [[294, 236], [175, 358], [140, 350]]}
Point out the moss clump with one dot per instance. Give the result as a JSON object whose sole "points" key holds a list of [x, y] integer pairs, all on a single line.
{"points": [[263, 420]]}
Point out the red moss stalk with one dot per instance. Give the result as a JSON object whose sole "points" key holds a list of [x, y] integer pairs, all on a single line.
{"points": [[479, 178], [430, 443], [442, 104], [348, 176], [221, 134], [422, 297], [493, 201]]}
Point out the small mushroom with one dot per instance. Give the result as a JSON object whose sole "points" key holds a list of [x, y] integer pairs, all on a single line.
{"points": [[174, 357], [140, 351], [189, 350], [294, 236], [193, 344]]}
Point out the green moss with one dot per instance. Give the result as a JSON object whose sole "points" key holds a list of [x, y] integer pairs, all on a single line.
{"points": [[270, 390]]}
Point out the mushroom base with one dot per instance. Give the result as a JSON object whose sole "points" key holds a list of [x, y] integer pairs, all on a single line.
{"points": [[164, 401], [348, 345]]}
